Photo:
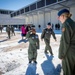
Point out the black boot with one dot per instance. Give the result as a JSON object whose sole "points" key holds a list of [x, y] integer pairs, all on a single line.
{"points": [[29, 61], [45, 52], [52, 54], [35, 62]]}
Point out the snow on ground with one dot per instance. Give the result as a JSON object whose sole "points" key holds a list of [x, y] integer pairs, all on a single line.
{"points": [[14, 57]]}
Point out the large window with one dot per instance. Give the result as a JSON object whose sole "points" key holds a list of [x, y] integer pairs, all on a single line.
{"points": [[14, 13], [2, 12], [5, 12], [60, 0], [50, 1], [18, 12], [11, 15], [33, 6], [26, 9], [22, 11], [41, 3], [10, 12]]}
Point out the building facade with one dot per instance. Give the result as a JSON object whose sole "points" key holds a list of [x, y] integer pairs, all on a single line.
{"points": [[5, 18], [41, 12]]}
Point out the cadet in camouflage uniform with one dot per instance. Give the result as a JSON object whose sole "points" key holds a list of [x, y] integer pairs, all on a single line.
{"points": [[33, 45], [67, 43], [8, 31], [46, 34], [1, 27], [12, 30]]}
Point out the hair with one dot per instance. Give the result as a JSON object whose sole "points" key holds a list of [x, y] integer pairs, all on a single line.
{"points": [[67, 15]]}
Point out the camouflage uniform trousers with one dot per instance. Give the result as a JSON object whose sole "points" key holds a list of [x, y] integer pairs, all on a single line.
{"points": [[48, 47], [8, 34], [32, 54], [68, 64]]}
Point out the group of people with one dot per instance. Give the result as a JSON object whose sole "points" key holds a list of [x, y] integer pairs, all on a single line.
{"points": [[34, 42], [57, 26], [10, 31], [24, 30], [67, 42]]}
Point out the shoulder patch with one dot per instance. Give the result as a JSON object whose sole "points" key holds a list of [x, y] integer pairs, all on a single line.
{"points": [[63, 29]]}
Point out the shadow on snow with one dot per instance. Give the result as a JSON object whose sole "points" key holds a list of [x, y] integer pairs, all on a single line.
{"points": [[49, 68], [31, 69], [3, 40], [23, 40]]}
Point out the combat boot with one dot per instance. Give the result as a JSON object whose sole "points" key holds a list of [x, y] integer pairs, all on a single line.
{"points": [[30, 61], [45, 52], [35, 62]]}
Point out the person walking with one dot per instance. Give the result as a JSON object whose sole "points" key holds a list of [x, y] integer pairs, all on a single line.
{"points": [[23, 31], [46, 34], [1, 27], [67, 42], [33, 45], [12, 30], [8, 31], [39, 26]]}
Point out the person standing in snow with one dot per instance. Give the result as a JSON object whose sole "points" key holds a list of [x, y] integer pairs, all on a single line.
{"points": [[12, 30], [33, 45], [67, 43], [28, 28], [23, 31], [46, 34], [1, 27], [8, 30]]}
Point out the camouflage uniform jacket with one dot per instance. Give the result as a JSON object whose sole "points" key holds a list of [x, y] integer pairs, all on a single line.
{"points": [[46, 34], [67, 42], [33, 41]]}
